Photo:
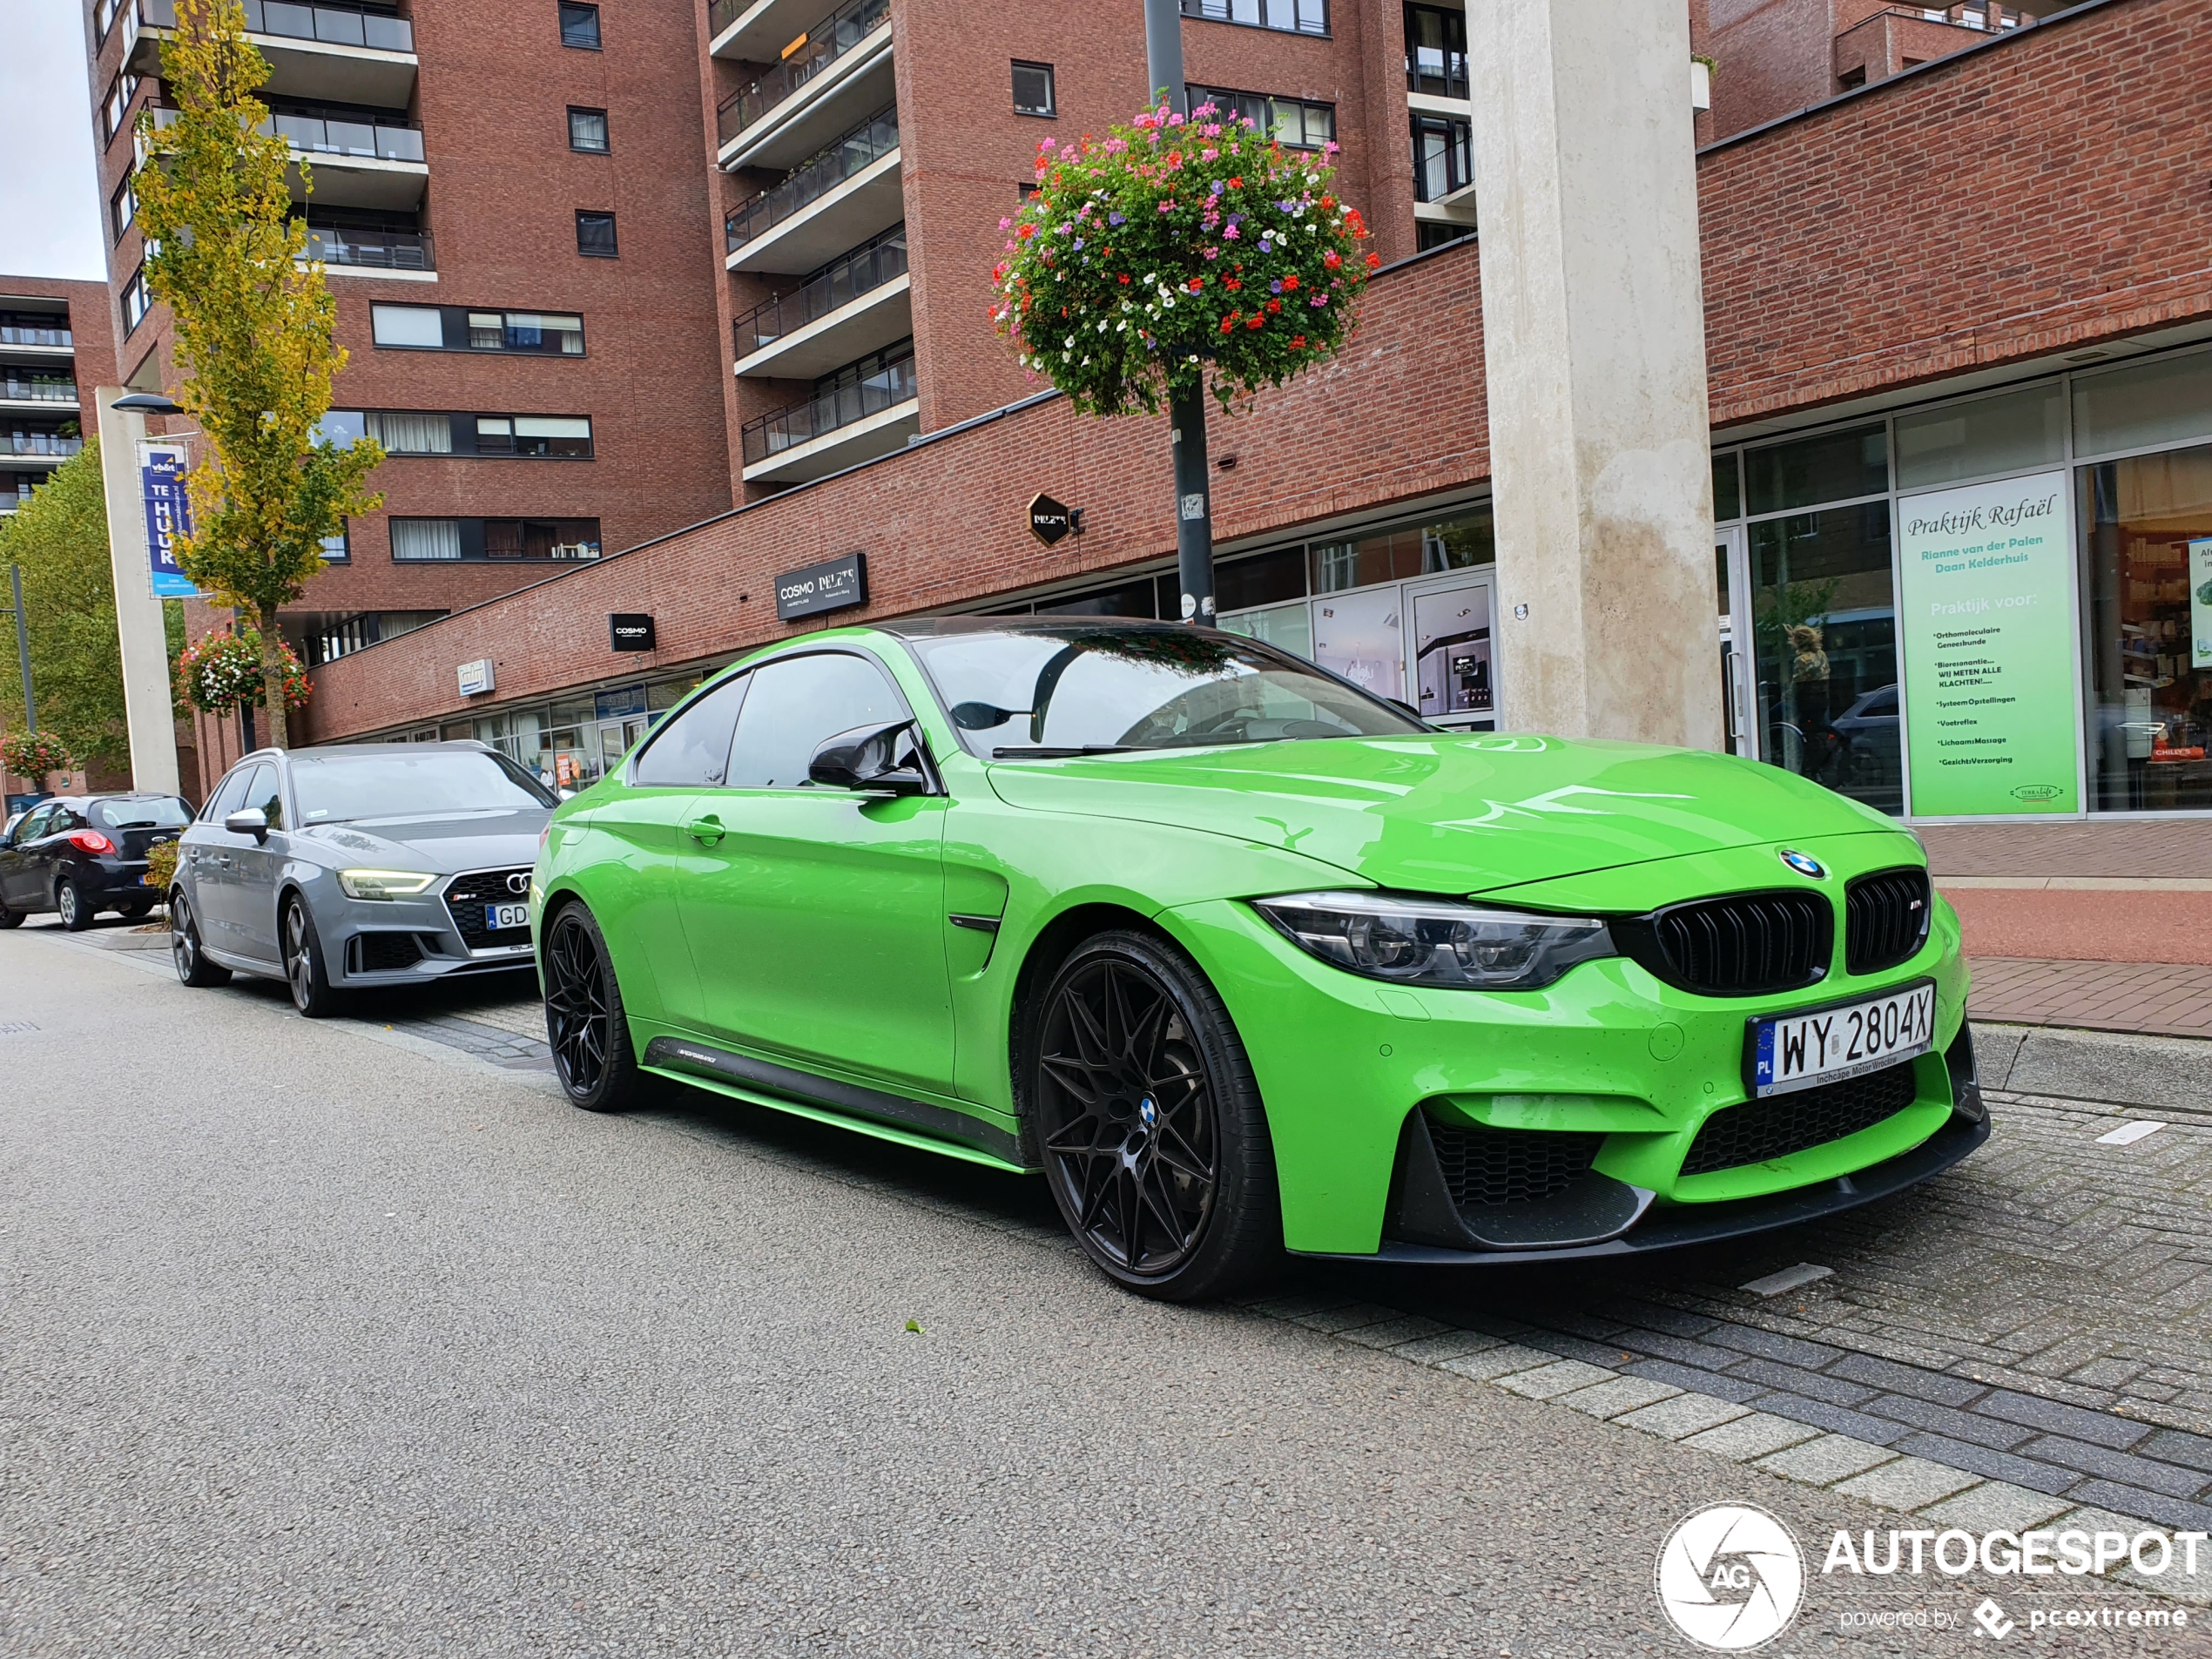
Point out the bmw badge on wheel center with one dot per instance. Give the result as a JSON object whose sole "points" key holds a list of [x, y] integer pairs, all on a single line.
{"points": [[1244, 959]]}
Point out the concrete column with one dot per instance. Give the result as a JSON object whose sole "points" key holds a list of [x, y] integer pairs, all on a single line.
{"points": [[138, 613], [1594, 330]]}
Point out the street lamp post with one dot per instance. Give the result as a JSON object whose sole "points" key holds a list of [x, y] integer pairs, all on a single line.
{"points": [[1186, 410]]}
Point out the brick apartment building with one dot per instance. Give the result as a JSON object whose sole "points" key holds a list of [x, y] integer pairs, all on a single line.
{"points": [[1920, 280]]}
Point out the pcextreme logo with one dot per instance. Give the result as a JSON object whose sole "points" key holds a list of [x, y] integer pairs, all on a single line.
{"points": [[1730, 1577]]}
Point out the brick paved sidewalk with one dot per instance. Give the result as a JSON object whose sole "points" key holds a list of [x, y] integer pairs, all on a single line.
{"points": [[2164, 999]]}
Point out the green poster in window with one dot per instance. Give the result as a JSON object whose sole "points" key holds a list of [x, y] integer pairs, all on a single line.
{"points": [[1985, 620], [2200, 605]]}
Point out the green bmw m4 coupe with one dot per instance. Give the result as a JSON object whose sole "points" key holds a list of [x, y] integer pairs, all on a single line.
{"points": [[1243, 959]]}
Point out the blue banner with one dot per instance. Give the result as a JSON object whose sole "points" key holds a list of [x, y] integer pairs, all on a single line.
{"points": [[161, 475]]}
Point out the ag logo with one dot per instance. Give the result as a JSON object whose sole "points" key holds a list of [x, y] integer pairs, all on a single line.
{"points": [[1730, 1577]]}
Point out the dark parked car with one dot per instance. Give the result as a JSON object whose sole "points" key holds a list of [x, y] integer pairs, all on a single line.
{"points": [[356, 865], [78, 855]]}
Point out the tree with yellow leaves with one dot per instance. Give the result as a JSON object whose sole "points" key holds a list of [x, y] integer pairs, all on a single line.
{"points": [[252, 335]]}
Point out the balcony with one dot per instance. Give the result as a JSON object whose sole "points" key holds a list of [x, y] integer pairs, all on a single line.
{"points": [[856, 304], [337, 50], [756, 31], [359, 159], [37, 392], [865, 410], [371, 249], [31, 329], [39, 448], [840, 197], [842, 63]]}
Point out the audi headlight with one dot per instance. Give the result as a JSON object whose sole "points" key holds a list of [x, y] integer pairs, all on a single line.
{"points": [[382, 884], [1410, 940]]}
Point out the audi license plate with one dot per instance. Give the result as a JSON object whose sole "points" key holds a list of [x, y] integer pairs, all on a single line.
{"points": [[1799, 1051], [507, 915]]}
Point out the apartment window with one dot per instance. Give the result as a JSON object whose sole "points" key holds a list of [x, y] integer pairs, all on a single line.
{"points": [[454, 541], [102, 18], [595, 235], [1033, 90], [1300, 124], [122, 209], [114, 106], [441, 432], [457, 328], [136, 301], [1290, 17], [579, 26], [588, 130], [1436, 51], [1430, 234], [547, 436], [1443, 156]]}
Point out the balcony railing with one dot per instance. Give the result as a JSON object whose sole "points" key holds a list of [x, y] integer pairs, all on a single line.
{"points": [[20, 333], [375, 249], [333, 22], [721, 14], [879, 382], [383, 138], [38, 391], [881, 259], [811, 180], [42, 443], [814, 51]]}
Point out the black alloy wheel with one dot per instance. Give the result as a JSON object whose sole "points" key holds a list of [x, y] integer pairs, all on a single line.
{"points": [[1154, 1140], [304, 969], [192, 965], [68, 904], [584, 1024]]}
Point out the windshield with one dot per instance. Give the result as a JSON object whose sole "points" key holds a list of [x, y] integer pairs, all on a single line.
{"points": [[140, 814], [400, 785], [1085, 687]]}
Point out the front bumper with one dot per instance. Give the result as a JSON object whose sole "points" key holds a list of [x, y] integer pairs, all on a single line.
{"points": [[408, 940], [1631, 1067]]}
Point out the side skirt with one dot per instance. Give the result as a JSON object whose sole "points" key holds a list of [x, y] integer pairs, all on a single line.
{"points": [[872, 1111]]}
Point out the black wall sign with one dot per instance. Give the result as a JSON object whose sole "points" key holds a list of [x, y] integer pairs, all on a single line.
{"points": [[836, 584], [1050, 520], [629, 630]]}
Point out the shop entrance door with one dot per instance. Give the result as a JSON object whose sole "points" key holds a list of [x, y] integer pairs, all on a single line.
{"points": [[1737, 660], [1450, 667], [617, 739]]}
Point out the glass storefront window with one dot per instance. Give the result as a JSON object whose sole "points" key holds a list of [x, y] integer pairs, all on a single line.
{"points": [[2168, 401], [1835, 466], [1728, 494], [2148, 571], [1290, 626], [1825, 628], [2011, 432], [1395, 553]]}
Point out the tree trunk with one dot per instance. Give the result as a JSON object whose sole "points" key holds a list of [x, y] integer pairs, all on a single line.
{"points": [[273, 678]]}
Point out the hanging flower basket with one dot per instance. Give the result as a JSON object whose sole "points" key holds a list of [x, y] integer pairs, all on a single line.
{"points": [[221, 673], [1175, 249], [35, 755]]}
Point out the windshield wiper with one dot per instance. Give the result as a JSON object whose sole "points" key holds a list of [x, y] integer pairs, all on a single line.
{"points": [[1035, 752]]}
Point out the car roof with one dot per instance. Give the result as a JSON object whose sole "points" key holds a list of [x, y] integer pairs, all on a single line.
{"points": [[1042, 623], [369, 751]]}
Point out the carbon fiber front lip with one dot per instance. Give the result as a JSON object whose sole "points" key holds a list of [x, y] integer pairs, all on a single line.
{"points": [[1681, 1226]]}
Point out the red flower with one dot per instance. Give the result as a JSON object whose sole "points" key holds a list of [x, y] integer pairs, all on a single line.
{"points": [[1297, 342], [1197, 283], [1124, 281], [1231, 284], [1274, 304], [1290, 283], [1255, 323], [1025, 232], [1331, 258], [1236, 184], [1375, 262], [1328, 202], [1228, 322]]}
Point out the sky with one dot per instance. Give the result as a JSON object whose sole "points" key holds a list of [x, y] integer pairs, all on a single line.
{"points": [[49, 205]]}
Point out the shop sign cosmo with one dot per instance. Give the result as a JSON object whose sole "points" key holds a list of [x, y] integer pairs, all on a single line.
{"points": [[1985, 603], [1176, 248]]}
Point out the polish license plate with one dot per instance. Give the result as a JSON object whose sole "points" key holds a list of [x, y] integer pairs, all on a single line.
{"points": [[507, 915], [1800, 1050]]}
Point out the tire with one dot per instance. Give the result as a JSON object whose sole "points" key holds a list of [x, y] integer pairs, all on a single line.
{"points": [[139, 909], [191, 963], [9, 918], [1149, 1123], [584, 1022], [72, 906], [304, 968]]}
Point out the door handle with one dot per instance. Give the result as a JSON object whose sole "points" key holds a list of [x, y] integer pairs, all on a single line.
{"points": [[705, 831]]}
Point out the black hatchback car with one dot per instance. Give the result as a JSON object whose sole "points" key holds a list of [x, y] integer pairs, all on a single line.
{"points": [[78, 855]]}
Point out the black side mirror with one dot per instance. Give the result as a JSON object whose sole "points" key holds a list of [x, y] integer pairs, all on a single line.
{"points": [[887, 759], [250, 821]]}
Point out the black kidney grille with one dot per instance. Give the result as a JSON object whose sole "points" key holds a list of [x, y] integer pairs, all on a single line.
{"points": [[1485, 1166], [1781, 1124], [1885, 919], [1747, 944], [469, 895]]}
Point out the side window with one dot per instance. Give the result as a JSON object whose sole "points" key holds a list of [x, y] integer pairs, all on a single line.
{"points": [[228, 797], [267, 791], [693, 749], [797, 703], [61, 820], [32, 827]]}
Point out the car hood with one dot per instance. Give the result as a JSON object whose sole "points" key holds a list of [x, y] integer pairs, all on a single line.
{"points": [[446, 844], [1448, 814]]}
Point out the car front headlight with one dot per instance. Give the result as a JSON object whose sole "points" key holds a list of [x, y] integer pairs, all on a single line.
{"points": [[1408, 939], [383, 884]]}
